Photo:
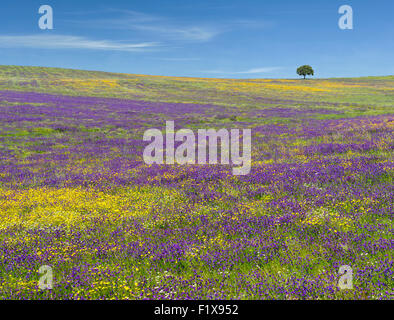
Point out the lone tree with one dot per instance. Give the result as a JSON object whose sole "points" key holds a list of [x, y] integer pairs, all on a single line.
{"points": [[305, 71]]}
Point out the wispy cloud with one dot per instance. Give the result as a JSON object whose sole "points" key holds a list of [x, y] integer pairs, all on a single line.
{"points": [[156, 27], [44, 41], [192, 33], [167, 28], [249, 71], [131, 15], [179, 59]]}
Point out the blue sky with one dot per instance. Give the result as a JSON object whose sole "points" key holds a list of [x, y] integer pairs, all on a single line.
{"points": [[204, 38]]}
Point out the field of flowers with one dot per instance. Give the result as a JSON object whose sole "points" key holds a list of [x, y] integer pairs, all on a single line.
{"points": [[76, 195]]}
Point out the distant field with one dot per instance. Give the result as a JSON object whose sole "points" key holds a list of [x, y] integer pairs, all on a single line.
{"points": [[75, 193]]}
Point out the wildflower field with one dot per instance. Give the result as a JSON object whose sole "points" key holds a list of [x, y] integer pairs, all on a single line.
{"points": [[75, 193]]}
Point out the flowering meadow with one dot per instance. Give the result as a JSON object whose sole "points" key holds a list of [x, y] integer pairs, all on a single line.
{"points": [[75, 193]]}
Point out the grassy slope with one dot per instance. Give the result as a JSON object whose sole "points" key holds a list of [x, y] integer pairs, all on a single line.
{"points": [[356, 95]]}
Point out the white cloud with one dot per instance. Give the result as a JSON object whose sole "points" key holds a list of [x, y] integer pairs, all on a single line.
{"points": [[157, 27], [259, 70], [169, 28], [179, 59], [193, 33], [44, 41], [249, 71]]}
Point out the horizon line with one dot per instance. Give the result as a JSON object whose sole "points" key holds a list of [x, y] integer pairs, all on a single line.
{"points": [[192, 77]]}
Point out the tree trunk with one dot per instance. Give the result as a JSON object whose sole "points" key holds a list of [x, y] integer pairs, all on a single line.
{"points": [[304, 76]]}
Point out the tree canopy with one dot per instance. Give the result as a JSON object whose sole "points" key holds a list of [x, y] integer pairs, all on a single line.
{"points": [[305, 71]]}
